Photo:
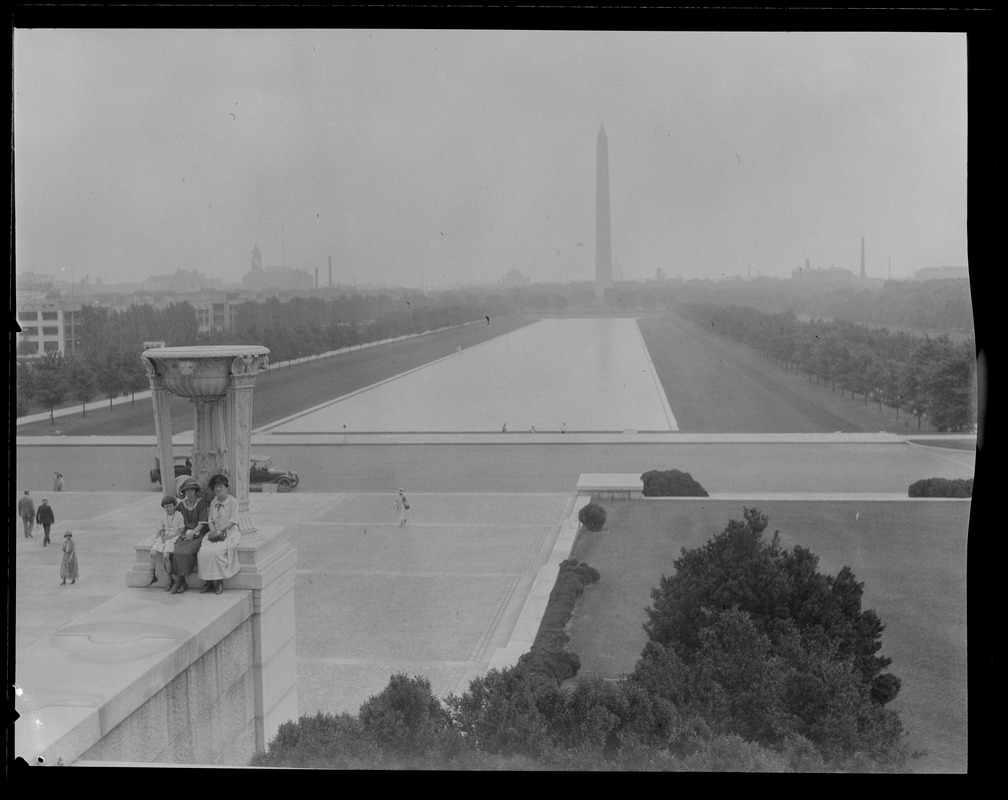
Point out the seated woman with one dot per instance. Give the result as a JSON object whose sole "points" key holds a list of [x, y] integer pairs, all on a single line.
{"points": [[193, 509], [169, 527], [218, 555]]}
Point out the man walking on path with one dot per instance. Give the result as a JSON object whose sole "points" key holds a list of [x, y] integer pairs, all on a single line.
{"points": [[26, 508], [401, 506], [45, 518]]}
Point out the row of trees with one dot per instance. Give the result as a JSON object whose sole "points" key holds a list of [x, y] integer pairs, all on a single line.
{"points": [[108, 363], [54, 379], [308, 326], [755, 662], [931, 376]]}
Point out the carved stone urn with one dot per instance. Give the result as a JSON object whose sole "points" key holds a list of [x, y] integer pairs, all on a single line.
{"points": [[218, 381]]}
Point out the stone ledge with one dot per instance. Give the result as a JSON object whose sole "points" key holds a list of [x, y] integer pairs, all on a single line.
{"points": [[610, 485], [124, 651]]}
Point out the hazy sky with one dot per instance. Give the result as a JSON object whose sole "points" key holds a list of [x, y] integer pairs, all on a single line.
{"points": [[459, 155]]}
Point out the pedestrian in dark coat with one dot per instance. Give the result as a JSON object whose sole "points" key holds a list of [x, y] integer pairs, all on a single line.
{"points": [[45, 518], [26, 510]]}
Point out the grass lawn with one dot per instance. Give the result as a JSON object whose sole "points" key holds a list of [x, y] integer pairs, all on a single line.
{"points": [[910, 555], [716, 385], [282, 392]]}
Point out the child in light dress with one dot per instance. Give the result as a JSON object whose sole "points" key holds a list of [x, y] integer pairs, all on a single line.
{"points": [[170, 525]]}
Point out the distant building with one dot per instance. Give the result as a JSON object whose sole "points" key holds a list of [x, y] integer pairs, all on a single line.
{"points": [[262, 279], [34, 282], [182, 281], [830, 274], [48, 326], [515, 278], [937, 273], [217, 314]]}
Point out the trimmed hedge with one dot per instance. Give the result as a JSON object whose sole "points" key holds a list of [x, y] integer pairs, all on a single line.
{"points": [[671, 483], [592, 516], [941, 487], [548, 657]]}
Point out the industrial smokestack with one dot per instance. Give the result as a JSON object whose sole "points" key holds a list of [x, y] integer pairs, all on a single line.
{"points": [[316, 277], [862, 257], [330, 272]]}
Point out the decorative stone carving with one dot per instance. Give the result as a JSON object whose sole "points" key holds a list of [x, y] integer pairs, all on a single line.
{"points": [[218, 381]]}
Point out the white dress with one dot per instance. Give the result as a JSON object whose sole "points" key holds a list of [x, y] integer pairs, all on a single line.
{"points": [[219, 560], [168, 531]]}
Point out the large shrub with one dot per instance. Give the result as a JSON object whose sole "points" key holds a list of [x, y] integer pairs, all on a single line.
{"points": [[592, 516], [942, 487], [753, 639], [549, 657], [671, 483], [322, 741], [406, 718]]}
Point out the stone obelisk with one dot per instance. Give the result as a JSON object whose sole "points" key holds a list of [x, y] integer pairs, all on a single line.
{"points": [[603, 243]]}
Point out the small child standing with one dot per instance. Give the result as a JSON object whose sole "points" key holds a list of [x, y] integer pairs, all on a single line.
{"points": [[68, 567], [168, 530]]}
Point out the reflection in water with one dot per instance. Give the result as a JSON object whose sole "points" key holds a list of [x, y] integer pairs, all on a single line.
{"points": [[592, 374]]}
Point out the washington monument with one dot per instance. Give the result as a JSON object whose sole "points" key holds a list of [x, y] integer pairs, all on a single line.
{"points": [[603, 244]]}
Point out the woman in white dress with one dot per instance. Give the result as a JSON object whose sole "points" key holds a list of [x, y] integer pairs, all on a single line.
{"points": [[218, 555]]}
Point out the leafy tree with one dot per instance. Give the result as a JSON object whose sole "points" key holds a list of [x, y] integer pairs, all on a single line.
{"points": [[51, 381], [134, 376], [25, 382], [407, 719], [782, 591], [108, 373], [80, 376]]}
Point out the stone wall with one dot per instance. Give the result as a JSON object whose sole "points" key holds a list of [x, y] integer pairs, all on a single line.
{"points": [[205, 715], [150, 677]]}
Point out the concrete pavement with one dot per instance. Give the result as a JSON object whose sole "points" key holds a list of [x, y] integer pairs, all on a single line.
{"points": [[441, 597]]}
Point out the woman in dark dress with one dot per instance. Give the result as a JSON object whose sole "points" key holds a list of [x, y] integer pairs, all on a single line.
{"points": [[193, 509]]}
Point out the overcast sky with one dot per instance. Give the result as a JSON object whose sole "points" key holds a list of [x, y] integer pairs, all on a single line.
{"points": [[459, 155]]}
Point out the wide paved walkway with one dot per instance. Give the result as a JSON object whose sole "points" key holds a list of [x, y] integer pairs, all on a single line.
{"points": [[435, 598]]}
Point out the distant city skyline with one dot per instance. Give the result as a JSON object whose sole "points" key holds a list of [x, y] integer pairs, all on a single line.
{"points": [[460, 155]]}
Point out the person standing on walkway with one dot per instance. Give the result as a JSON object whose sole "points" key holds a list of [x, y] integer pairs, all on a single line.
{"points": [[402, 506], [26, 510], [58, 482], [68, 567], [218, 555], [563, 427], [45, 517], [193, 509]]}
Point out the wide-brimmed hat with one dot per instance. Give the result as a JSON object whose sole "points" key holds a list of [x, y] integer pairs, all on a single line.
{"points": [[68, 533], [189, 483]]}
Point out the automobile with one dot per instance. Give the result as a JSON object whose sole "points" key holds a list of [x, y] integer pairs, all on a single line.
{"points": [[183, 466], [261, 471]]}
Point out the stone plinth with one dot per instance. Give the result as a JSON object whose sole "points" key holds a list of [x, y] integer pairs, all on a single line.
{"points": [[267, 563], [155, 677], [614, 486]]}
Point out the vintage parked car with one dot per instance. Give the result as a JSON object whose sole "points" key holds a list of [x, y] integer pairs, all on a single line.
{"points": [[261, 471]]}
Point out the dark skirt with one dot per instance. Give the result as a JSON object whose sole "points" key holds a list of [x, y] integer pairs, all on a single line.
{"points": [[184, 557]]}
